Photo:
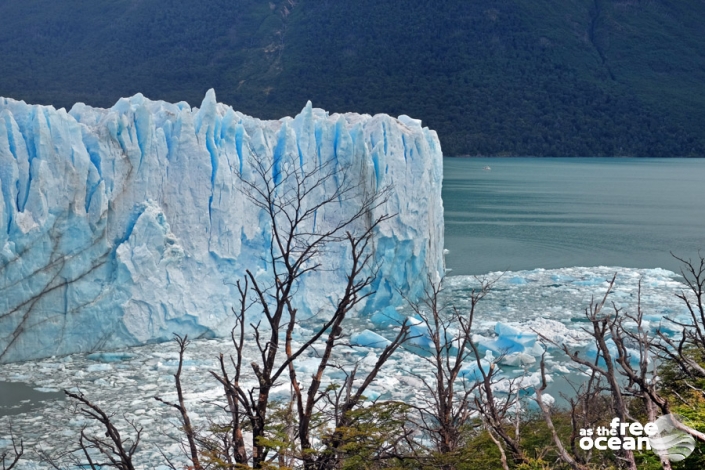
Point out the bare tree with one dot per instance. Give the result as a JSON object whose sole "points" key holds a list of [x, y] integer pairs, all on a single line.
{"points": [[498, 414], [456, 397], [628, 368], [355, 291], [118, 451], [9, 461], [501, 417], [231, 448], [642, 378], [291, 196], [633, 342], [563, 452], [188, 428], [684, 351], [450, 332], [343, 406], [602, 326]]}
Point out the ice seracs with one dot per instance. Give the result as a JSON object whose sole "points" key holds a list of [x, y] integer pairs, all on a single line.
{"points": [[122, 226]]}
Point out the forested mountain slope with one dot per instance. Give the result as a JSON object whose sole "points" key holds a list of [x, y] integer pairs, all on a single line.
{"points": [[493, 77]]}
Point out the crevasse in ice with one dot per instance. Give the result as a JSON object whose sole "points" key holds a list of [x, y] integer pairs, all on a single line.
{"points": [[122, 226]]}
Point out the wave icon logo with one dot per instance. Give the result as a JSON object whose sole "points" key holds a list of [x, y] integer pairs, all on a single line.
{"points": [[671, 442]]}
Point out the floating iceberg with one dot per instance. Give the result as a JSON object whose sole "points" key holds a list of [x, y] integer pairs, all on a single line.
{"points": [[476, 373], [122, 226], [369, 339], [512, 344], [388, 316], [525, 338]]}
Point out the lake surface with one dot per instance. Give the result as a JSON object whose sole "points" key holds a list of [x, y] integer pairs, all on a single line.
{"points": [[528, 213], [17, 397]]}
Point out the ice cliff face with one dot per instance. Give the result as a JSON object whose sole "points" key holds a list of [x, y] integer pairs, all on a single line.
{"points": [[122, 226]]}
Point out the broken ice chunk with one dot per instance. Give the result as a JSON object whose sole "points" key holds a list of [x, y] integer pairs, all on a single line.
{"points": [[518, 359], [387, 317], [110, 356], [369, 339], [473, 372], [499, 345], [525, 338]]}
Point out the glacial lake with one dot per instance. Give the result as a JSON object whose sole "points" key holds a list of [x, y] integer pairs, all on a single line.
{"points": [[18, 397], [527, 213]]}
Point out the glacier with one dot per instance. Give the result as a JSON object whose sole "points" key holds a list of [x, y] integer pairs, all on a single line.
{"points": [[122, 226]]}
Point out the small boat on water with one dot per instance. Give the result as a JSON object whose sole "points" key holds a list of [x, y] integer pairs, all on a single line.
{"points": [[486, 168]]}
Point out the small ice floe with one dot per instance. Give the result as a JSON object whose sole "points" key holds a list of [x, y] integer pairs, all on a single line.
{"points": [[498, 345], [633, 354], [518, 359], [110, 356], [546, 398], [99, 367], [511, 343], [474, 372], [556, 332], [524, 384], [369, 339], [387, 317], [308, 365]]}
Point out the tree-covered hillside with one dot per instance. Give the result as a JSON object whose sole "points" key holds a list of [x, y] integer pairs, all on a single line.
{"points": [[493, 77]]}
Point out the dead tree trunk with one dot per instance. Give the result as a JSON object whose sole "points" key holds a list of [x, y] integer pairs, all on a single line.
{"points": [[8, 461], [188, 429], [119, 452]]}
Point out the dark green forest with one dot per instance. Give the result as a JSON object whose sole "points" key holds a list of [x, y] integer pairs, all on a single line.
{"points": [[493, 77]]}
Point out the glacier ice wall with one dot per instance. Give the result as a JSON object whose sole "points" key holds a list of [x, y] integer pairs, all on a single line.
{"points": [[122, 226]]}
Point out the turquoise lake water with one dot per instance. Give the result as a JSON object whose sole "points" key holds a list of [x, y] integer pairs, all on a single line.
{"points": [[528, 213]]}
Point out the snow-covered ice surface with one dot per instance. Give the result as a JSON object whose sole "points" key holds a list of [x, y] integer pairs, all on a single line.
{"points": [[122, 226], [551, 302]]}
